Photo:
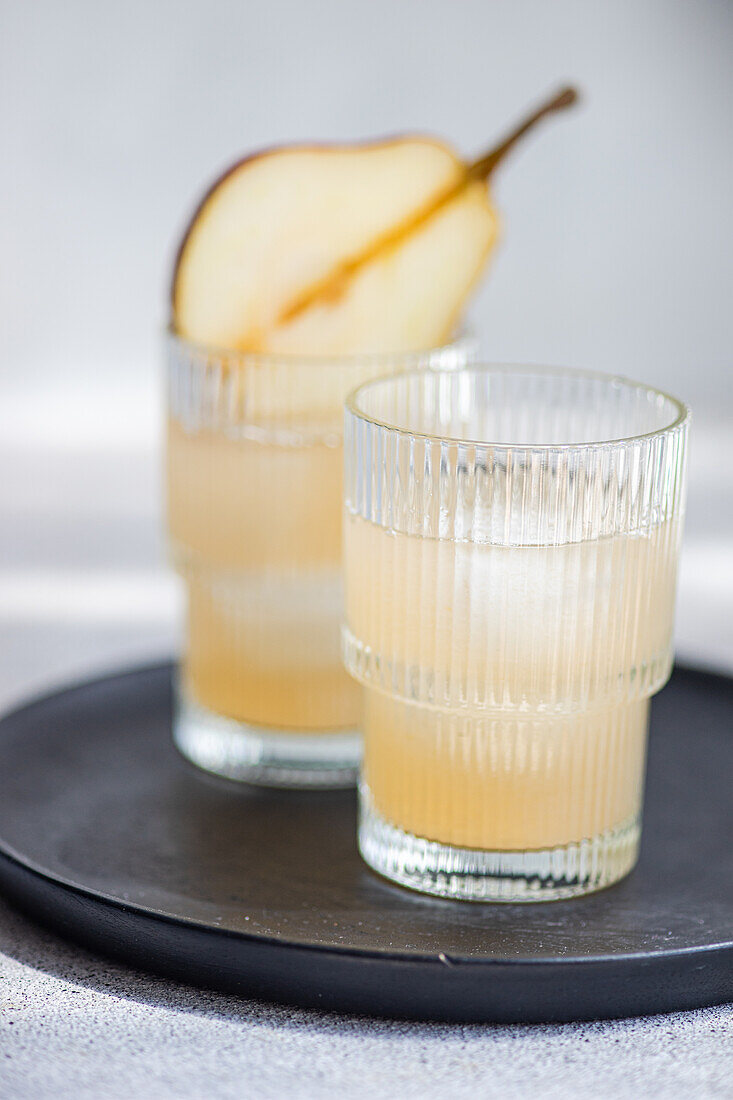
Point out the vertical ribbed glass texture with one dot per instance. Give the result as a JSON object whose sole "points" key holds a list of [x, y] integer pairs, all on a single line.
{"points": [[511, 542], [254, 480]]}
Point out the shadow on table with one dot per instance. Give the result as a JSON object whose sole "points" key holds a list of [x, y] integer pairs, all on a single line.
{"points": [[33, 946]]}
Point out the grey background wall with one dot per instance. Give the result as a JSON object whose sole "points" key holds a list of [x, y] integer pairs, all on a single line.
{"points": [[618, 221]]}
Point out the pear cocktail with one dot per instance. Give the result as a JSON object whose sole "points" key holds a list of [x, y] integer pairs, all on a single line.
{"points": [[255, 483], [511, 541], [305, 271]]}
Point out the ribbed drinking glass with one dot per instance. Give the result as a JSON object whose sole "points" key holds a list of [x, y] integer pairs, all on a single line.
{"points": [[511, 544], [255, 473]]}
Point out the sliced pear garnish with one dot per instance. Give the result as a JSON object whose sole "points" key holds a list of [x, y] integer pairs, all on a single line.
{"points": [[318, 250]]}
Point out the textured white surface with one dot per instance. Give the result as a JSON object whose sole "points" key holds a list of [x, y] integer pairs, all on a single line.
{"points": [[73, 1026]]}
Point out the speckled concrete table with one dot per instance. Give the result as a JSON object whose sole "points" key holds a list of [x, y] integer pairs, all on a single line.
{"points": [[73, 1025], [77, 1026]]}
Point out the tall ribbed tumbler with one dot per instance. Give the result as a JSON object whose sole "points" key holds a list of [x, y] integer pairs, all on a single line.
{"points": [[511, 543], [254, 465]]}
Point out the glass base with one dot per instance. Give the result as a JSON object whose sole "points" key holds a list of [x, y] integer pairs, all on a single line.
{"points": [[467, 874], [262, 755]]}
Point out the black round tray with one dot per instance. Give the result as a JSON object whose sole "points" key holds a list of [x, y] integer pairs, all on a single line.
{"points": [[110, 838]]}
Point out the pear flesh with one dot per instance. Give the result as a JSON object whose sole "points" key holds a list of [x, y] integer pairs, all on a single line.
{"points": [[280, 225], [338, 250]]}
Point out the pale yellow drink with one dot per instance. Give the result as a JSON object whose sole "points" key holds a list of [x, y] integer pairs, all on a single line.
{"points": [[255, 491], [506, 706], [510, 559], [255, 527]]}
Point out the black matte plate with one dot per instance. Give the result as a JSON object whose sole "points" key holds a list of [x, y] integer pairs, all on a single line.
{"points": [[109, 837]]}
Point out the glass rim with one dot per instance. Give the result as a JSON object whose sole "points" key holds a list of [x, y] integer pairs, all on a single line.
{"points": [[682, 412], [464, 338]]}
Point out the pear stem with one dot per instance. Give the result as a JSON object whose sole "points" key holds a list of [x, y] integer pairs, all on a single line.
{"points": [[482, 168], [330, 288]]}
